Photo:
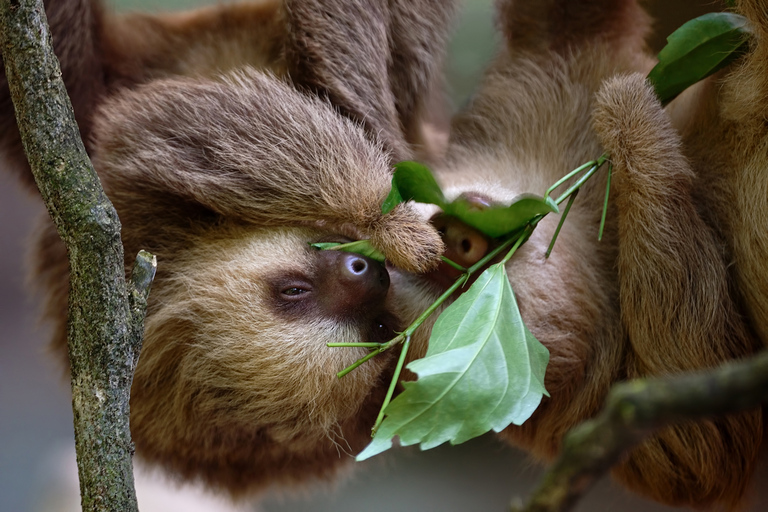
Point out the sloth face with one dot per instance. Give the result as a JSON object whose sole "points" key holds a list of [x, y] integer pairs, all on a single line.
{"points": [[236, 344]]}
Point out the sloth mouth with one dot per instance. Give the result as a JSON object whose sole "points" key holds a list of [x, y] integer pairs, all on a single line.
{"points": [[383, 328]]}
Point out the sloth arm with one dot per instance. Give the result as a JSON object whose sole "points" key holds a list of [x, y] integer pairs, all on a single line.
{"points": [[208, 41], [676, 304], [254, 149]]}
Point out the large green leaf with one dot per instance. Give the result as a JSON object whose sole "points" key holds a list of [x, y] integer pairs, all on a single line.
{"points": [[501, 220], [696, 50], [483, 370]]}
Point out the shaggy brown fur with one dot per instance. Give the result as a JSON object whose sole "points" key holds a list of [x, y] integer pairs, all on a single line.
{"points": [[228, 178], [656, 296]]}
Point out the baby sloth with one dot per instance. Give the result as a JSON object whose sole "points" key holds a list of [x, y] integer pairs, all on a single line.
{"points": [[678, 282]]}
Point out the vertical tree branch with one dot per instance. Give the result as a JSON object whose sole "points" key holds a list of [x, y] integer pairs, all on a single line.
{"points": [[105, 315]]}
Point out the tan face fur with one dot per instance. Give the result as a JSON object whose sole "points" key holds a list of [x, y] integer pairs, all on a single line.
{"points": [[235, 366]]}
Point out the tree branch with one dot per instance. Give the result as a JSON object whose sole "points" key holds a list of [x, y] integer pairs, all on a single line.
{"points": [[104, 321], [142, 275], [636, 409]]}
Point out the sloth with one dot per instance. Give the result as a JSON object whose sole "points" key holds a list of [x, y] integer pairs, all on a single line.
{"points": [[228, 139], [678, 283], [227, 150]]}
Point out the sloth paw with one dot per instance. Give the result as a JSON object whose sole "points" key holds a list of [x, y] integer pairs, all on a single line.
{"points": [[628, 118], [638, 135], [407, 241]]}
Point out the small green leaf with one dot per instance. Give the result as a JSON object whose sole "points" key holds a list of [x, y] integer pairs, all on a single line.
{"points": [[325, 246], [502, 220], [413, 181], [696, 50], [393, 199], [363, 247], [483, 370]]}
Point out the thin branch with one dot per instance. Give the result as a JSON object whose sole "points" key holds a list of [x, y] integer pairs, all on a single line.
{"points": [[142, 275], [636, 409], [103, 321]]}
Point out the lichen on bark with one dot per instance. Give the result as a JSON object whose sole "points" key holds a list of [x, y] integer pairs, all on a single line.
{"points": [[106, 313]]}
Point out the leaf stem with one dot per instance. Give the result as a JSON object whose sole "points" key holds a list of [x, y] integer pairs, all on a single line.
{"points": [[605, 203], [453, 264], [392, 384], [364, 345], [460, 281], [378, 348], [520, 239], [431, 309], [562, 221], [570, 175], [366, 357], [596, 164], [516, 238]]}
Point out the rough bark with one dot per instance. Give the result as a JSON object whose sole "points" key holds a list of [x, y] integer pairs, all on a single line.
{"points": [[105, 313], [636, 409]]}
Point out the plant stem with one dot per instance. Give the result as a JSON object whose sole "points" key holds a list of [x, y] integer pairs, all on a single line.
{"points": [[560, 224], [517, 239], [364, 345], [360, 361], [453, 264], [392, 384], [595, 165], [605, 203], [520, 239], [570, 175], [571, 192], [460, 281], [378, 348]]}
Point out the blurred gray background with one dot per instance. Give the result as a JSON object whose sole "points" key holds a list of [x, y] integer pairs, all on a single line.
{"points": [[36, 439]]}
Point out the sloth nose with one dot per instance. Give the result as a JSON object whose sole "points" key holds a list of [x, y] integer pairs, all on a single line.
{"points": [[352, 283], [362, 272], [357, 265], [463, 244]]}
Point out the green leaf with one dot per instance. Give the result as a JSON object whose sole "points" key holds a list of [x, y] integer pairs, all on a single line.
{"points": [[393, 199], [413, 181], [501, 220], [483, 370], [696, 50], [363, 247]]}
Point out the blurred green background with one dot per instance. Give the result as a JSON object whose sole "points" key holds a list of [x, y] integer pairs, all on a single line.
{"points": [[36, 454]]}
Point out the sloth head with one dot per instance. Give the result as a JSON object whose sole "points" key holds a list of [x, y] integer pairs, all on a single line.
{"points": [[235, 376]]}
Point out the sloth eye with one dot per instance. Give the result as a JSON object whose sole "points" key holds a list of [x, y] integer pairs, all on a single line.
{"points": [[294, 291]]}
